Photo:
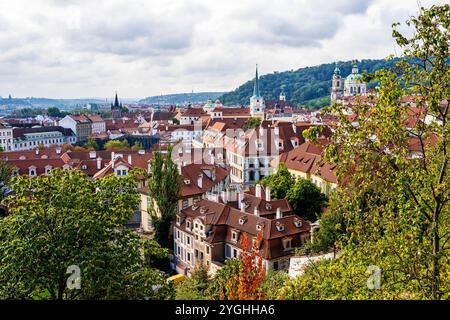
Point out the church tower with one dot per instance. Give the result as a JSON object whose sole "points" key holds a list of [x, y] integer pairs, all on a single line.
{"points": [[336, 85], [257, 104], [116, 108]]}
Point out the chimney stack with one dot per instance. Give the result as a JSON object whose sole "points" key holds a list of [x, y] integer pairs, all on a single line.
{"points": [[256, 211], [224, 195], [258, 191], [279, 214], [268, 196], [294, 127], [240, 200], [113, 158], [200, 180], [129, 159], [99, 163]]}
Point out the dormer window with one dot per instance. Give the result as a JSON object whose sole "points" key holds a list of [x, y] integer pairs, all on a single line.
{"points": [[203, 210], [188, 225], [235, 235], [268, 206], [187, 181], [194, 207], [298, 223], [32, 172], [242, 220], [178, 220], [84, 167], [279, 226]]}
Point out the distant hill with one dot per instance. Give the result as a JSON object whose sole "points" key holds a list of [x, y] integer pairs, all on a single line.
{"points": [[46, 102], [308, 86], [181, 98]]}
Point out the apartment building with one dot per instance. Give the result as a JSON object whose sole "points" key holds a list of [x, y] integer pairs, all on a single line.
{"points": [[209, 232]]}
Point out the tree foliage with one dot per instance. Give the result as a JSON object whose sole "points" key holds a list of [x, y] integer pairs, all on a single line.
{"points": [[280, 182], [306, 199], [252, 123], [196, 287], [394, 204], [164, 185], [116, 145], [308, 86], [91, 144], [66, 220], [5, 178]]}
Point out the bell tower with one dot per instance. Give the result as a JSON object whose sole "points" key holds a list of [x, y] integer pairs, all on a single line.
{"points": [[257, 103], [336, 85]]}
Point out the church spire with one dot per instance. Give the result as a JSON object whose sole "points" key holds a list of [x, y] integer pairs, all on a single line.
{"points": [[116, 102], [256, 86]]}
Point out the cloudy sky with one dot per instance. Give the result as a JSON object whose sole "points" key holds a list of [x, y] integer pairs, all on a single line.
{"points": [[90, 48]]}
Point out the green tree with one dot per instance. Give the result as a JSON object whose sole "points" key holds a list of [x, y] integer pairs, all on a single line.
{"points": [[306, 199], [137, 146], [91, 144], [226, 281], [55, 112], [164, 185], [117, 145], [252, 123], [331, 228], [395, 206], [280, 182], [5, 178], [66, 221], [195, 287], [273, 282]]}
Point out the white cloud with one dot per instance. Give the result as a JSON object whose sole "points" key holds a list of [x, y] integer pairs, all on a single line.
{"points": [[82, 48]]}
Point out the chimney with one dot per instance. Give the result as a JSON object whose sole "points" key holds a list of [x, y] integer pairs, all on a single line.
{"points": [[258, 191], [113, 158], [279, 214], [129, 159], [58, 150], [294, 127], [200, 180], [224, 195], [99, 163], [242, 206], [268, 196], [256, 211], [37, 151], [276, 130], [240, 199]]}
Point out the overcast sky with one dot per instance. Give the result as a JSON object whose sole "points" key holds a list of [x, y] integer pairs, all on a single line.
{"points": [[91, 48]]}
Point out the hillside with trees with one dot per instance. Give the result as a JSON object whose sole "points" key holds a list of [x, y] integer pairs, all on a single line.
{"points": [[308, 86]]}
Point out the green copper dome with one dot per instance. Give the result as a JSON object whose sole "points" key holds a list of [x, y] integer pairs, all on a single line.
{"points": [[354, 77]]}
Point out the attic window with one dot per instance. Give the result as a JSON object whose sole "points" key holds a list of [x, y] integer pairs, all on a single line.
{"points": [[187, 181], [268, 206], [242, 220], [298, 223], [84, 167], [203, 210], [279, 226]]}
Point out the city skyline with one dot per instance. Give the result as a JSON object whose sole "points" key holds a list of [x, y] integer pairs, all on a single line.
{"points": [[81, 49]]}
